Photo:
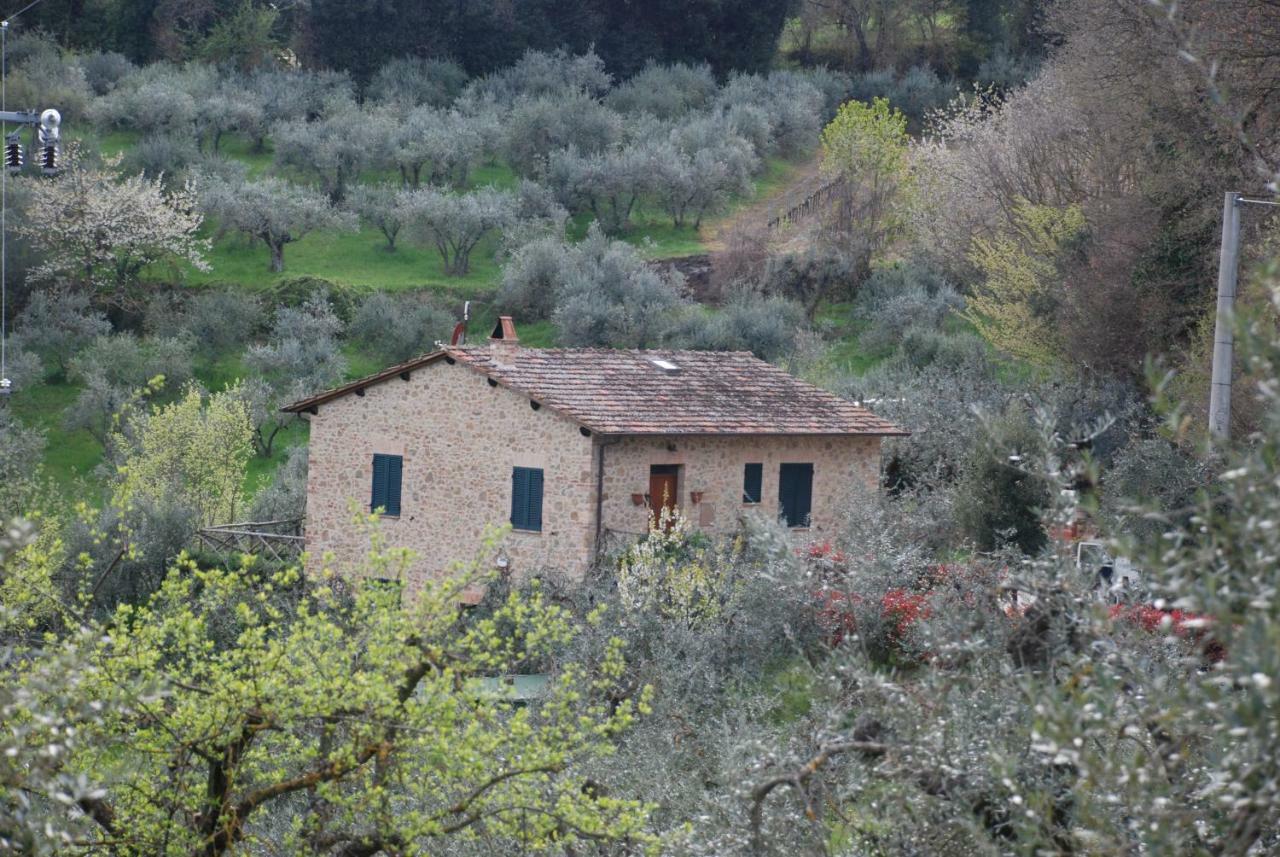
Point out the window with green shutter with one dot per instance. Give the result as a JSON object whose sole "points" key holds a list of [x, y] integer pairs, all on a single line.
{"points": [[526, 498], [752, 477], [387, 473], [795, 494]]}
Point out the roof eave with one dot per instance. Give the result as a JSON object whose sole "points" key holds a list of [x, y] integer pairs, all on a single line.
{"points": [[312, 402]]}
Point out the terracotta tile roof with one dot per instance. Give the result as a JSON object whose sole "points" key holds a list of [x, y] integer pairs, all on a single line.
{"points": [[630, 392]]}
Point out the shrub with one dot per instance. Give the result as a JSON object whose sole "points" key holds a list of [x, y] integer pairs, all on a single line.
{"points": [[221, 319], [537, 127], [161, 154], [610, 297], [765, 326], [298, 291], [811, 277], [532, 277], [165, 313], [285, 498], [396, 328], [410, 81], [920, 305], [57, 324], [665, 91], [104, 70], [999, 498]]}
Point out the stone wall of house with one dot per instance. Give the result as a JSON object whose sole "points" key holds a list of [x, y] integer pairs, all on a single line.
{"points": [[713, 468], [460, 438]]}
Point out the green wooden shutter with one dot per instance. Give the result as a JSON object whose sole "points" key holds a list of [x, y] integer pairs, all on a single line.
{"points": [[804, 495], [387, 475], [752, 477], [395, 469], [535, 499], [379, 498], [526, 498], [519, 497], [795, 493]]}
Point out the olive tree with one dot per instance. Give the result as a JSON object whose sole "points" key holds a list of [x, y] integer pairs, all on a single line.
{"points": [[456, 222], [538, 127], [156, 99], [694, 184], [380, 206], [116, 370], [398, 327], [408, 82], [665, 91], [609, 183], [436, 146], [57, 323], [271, 210], [301, 356], [331, 149]]}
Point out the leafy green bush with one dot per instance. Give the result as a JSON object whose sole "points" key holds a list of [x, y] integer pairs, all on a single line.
{"points": [[296, 291]]}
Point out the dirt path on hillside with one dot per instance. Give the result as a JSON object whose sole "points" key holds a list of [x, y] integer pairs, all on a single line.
{"points": [[754, 217]]}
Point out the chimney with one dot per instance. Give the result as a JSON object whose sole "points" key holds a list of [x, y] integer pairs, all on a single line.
{"points": [[503, 342]]}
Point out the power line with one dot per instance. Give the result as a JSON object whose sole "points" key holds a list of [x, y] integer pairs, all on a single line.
{"points": [[4, 208], [4, 201]]}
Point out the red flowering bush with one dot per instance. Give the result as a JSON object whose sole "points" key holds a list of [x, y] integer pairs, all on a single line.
{"points": [[902, 609]]}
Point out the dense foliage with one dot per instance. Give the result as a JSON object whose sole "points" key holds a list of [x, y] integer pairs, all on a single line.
{"points": [[1018, 271]]}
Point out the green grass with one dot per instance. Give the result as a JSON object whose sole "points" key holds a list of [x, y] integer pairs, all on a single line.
{"points": [[352, 258], [70, 456], [846, 355]]}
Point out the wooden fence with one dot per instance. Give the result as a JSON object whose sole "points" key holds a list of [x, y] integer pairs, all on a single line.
{"points": [[810, 205], [281, 541]]}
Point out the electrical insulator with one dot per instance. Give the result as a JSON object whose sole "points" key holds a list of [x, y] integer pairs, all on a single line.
{"points": [[49, 159], [13, 156]]}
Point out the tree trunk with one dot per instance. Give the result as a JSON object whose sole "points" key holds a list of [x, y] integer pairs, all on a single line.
{"points": [[277, 256]]}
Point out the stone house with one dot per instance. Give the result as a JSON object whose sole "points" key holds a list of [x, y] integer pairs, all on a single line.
{"points": [[574, 448]]}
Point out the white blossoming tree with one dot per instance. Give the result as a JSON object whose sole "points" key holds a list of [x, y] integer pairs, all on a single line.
{"points": [[98, 230]]}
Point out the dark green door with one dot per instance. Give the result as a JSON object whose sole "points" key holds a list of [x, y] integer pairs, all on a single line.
{"points": [[795, 494]]}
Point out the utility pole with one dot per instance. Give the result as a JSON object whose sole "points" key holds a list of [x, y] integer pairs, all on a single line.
{"points": [[1223, 333], [1223, 342]]}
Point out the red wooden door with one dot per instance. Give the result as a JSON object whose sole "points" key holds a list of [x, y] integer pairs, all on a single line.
{"points": [[662, 491]]}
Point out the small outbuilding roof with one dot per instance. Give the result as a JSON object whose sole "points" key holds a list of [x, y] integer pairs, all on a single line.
{"points": [[652, 392]]}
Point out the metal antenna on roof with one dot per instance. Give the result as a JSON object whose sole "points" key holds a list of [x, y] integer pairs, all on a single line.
{"points": [[460, 329]]}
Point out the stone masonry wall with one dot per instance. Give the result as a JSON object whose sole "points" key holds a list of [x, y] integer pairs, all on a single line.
{"points": [[460, 438], [714, 466]]}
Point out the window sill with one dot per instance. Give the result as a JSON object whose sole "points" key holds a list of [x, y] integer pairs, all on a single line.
{"points": [[384, 516], [751, 503], [527, 532]]}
